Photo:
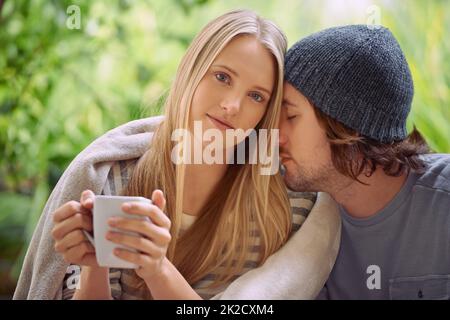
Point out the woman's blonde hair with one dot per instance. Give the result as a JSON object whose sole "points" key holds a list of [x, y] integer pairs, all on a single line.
{"points": [[222, 236]]}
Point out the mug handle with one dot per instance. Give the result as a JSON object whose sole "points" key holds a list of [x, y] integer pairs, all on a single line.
{"points": [[90, 238]]}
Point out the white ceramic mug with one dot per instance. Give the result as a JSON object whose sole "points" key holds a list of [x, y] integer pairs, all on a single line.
{"points": [[106, 207]]}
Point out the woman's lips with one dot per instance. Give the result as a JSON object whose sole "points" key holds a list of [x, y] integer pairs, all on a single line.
{"points": [[219, 124]]}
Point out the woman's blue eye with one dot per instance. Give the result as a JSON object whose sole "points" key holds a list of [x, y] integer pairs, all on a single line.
{"points": [[257, 97], [222, 77]]}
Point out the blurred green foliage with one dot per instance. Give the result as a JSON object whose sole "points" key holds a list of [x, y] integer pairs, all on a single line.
{"points": [[60, 88]]}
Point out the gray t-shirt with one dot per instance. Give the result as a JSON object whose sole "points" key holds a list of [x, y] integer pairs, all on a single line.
{"points": [[403, 251]]}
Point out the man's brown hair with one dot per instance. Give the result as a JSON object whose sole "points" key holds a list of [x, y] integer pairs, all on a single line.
{"points": [[353, 154]]}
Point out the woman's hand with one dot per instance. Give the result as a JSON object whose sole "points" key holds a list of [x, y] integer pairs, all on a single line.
{"points": [[70, 219], [154, 236]]}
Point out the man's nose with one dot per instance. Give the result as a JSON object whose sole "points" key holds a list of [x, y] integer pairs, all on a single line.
{"points": [[283, 139]]}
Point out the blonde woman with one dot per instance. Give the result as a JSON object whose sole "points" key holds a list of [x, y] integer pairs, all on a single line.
{"points": [[210, 223]]}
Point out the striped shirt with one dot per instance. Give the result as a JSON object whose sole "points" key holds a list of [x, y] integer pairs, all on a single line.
{"points": [[123, 281]]}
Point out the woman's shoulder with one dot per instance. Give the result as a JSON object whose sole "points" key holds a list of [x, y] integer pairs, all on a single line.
{"points": [[108, 161], [129, 138], [121, 171], [118, 176], [301, 199], [301, 205], [149, 124]]}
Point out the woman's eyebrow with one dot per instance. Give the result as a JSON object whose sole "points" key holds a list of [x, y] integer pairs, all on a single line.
{"points": [[263, 89], [237, 75], [228, 68]]}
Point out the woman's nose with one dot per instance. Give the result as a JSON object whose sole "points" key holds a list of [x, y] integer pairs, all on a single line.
{"points": [[231, 105]]}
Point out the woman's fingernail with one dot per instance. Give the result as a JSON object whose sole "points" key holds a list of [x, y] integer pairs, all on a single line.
{"points": [[112, 222], [126, 206]]}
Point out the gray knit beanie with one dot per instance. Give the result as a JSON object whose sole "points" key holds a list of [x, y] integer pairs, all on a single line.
{"points": [[356, 75]]}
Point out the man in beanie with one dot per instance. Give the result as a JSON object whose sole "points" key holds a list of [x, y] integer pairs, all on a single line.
{"points": [[348, 93]]}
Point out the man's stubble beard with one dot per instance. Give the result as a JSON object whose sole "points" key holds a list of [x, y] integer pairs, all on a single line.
{"points": [[321, 179]]}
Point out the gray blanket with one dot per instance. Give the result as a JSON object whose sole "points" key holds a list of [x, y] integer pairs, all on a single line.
{"points": [[297, 271]]}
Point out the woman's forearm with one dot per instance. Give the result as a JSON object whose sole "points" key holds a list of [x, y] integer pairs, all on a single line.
{"points": [[170, 284], [94, 284]]}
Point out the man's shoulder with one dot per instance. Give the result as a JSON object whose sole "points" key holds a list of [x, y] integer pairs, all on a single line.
{"points": [[437, 172]]}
